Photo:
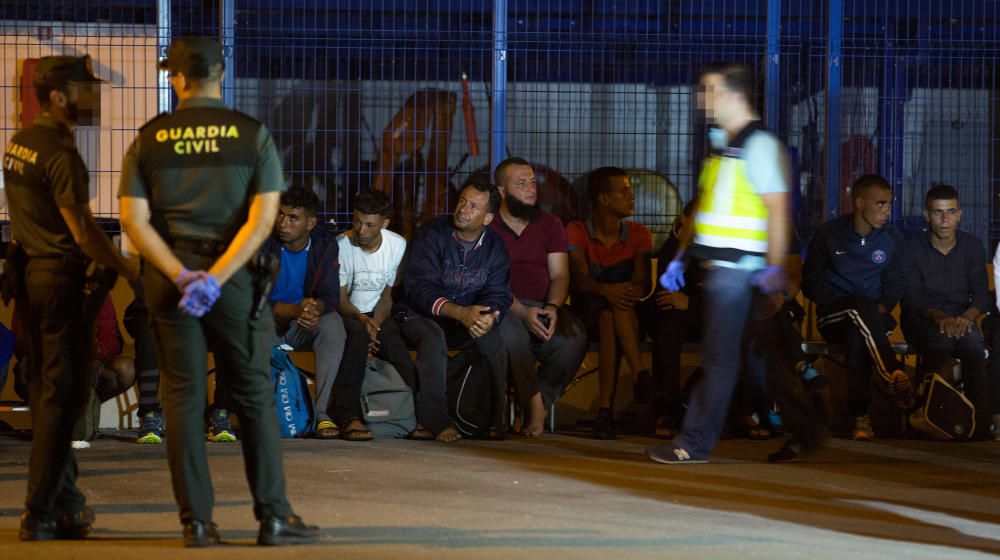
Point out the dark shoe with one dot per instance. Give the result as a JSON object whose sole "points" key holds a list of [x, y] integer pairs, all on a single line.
{"points": [[75, 526], [35, 529], [643, 389], [789, 453], [198, 534], [280, 531], [151, 430], [670, 455], [604, 425]]}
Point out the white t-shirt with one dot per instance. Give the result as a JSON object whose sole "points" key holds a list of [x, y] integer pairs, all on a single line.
{"points": [[367, 274]]}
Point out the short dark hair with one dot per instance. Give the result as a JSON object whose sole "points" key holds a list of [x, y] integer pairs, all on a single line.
{"points": [[940, 192], [737, 76], [301, 197], [867, 182], [499, 171], [371, 201], [599, 181], [481, 183]]}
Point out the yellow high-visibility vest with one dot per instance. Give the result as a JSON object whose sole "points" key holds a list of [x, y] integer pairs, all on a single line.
{"points": [[730, 214]]}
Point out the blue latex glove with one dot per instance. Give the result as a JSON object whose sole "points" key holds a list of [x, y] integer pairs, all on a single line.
{"points": [[186, 277], [200, 296], [770, 280], [673, 278]]}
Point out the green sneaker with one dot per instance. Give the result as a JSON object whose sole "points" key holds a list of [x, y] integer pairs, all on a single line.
{"points": [[151, 429], [219, 428]]}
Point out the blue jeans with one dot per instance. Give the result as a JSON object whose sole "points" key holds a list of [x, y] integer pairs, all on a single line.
{"points": [[737, 337]]}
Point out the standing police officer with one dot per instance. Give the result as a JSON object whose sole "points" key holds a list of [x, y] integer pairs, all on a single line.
{"points": [[742, 226], [199, 194], [48, 198]]}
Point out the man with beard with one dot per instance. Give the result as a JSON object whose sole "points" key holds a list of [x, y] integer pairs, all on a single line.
{"points": [[455, 277], [854, 273], [48, 197], [609, 262], [540, 328]]}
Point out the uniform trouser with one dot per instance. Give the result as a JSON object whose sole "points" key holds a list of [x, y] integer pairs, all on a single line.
{"points": [[347, 389], [59, 381], [857, 324], [936, 349], [735, 337], [326, 340], [558, 358], [432, 343], [242, 352]]}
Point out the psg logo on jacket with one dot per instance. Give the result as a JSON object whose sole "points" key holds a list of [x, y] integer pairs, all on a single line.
{"points": [[878, 257]]}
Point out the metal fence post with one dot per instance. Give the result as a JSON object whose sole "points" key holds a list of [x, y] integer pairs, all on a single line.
{"points": [[834, 77], [227, 38], [163, 90], [498, 118], [772, 71]]}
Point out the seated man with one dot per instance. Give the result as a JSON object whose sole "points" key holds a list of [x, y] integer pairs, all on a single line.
{"points": [[112, 373], [455, 279], [947, 291], [539, 328], [306, 294], [609, 266], [138, 325], [370, 255], [671, 319], [854, 274]]}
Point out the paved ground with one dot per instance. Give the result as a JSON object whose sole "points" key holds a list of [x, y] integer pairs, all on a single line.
{"points": [[558, 497]]}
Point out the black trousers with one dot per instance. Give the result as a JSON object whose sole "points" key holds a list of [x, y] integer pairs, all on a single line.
{"points": [[668, 330], [936, 349], [857, 324], [347, 385], [242, 353], [59, 339]]}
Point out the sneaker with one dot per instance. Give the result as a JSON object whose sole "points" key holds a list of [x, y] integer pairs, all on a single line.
{"points": [[670, 455], [219, 428], [151, 428], [901, 389], [789, 453], [863, 428], [80, 444], [813, 380], [604, 425]]}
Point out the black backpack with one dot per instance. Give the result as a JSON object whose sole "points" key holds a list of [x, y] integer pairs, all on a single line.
{"points": [[472, 401]]}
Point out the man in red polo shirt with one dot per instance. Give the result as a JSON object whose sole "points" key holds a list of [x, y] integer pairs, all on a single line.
{"points": [[540, 329], [609, 263]]}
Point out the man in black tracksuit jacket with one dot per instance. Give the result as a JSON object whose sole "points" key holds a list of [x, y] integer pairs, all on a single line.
{"points": [[854, 274], [456, 277]]}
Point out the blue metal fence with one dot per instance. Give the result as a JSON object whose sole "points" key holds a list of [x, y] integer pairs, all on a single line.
{"points": [[371, 92]]}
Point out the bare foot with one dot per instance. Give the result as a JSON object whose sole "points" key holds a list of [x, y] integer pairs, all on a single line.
{"points": [[449, 435], [535, 426]]}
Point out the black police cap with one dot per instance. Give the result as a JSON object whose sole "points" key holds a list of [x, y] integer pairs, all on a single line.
{"points": [[58, 71], [194, 57]]}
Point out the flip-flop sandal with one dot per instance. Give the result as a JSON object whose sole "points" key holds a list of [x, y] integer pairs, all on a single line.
{"points": [[663, 429], [327, 429], [356, 434], [420, 434]]}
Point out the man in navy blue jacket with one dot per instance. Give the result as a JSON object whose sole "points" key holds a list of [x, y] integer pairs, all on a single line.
{"points": [[854, 274], [307, 293], [455, 285], [304, 303]]}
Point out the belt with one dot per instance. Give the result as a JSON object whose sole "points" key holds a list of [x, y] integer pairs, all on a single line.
{"points": [[65, 259], [203, 247]]}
